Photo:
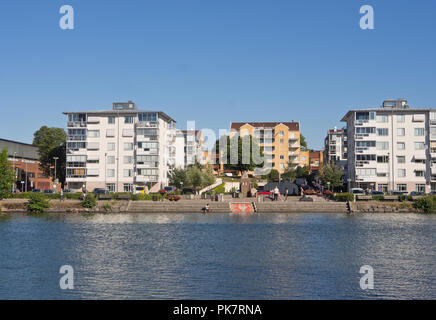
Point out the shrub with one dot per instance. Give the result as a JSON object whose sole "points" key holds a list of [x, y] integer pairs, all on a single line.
{"points": [[344, 197], [426, 204], [37, 203], [73, 196], [174, 198], [378, 198], [141, 197], [107, 207], [89, 201], [219, 189]]}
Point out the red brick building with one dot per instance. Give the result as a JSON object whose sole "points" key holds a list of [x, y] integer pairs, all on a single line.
{"points": [[24, 159]]}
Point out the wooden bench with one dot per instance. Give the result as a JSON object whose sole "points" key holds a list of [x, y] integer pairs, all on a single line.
{"points": [[364, 198], [104, 197], [391, 198], [124, 197], [414, 198]]}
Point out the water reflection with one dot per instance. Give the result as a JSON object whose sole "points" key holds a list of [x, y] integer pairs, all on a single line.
{"points": [[218, 256]]}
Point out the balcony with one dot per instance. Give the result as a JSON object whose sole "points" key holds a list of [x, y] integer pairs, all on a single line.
{"points": [[147, 124], [76, 124]]}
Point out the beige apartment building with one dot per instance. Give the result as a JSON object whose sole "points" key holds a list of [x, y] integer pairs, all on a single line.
{"points": [[280, 140]]}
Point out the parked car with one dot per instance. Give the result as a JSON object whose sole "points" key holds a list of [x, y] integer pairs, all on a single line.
{"points": [[36, 190], [99, 191], [49, 191], [417, 193], [398, 193], [358, 191], [189, 190], [68, 191], [140, 190], [376, 193], [170, 189]]}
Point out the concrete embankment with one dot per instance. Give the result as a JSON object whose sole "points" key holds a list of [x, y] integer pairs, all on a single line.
{"points": [[193, 206]]}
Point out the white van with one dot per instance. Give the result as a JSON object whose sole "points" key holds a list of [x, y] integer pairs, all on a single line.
{"points": [[357, 191]]}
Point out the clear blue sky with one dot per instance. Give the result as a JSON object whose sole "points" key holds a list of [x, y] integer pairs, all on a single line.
{"points": [[213, 61]]}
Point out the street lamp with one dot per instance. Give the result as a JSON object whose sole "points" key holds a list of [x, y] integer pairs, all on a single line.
{"points": [[15, 173], [55, 159], [105, 171], [328, 185], [349, 182]]}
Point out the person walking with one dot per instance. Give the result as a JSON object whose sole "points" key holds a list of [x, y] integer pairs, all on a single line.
{"points": [[61, 195], [286, 194]]}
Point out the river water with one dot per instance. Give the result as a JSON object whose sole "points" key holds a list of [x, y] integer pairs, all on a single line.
{"points": [[218, 256]]}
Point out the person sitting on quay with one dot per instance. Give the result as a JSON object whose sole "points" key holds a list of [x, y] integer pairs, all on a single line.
{"points": [[206, 209]]}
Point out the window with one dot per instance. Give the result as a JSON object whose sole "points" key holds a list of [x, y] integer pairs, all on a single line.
{"points": [[128, 120], [281, 141], [151, 117], [365, 130], [383, 132], [110, 160], [111, 146], [128, 146], [128, 173], [365, 157], [401, 132], [93, 133], [282, 166], [382, 118], [364, 116], [382, 145], [365, 172], [401, 145], [401, 159], [419, 132], [419, 145], [382, 187], [128, 160], [282, 157], [365, 144], [420, 187], [419, 173], [111, 173], [71, 158], [400, 118], [401, 173], [111, 120], [402, 187], [127, 187], [110, 187], [433, 131], [382, 159]]}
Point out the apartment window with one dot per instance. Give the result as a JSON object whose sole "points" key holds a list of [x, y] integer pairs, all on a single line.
{"points": [[402, 187], [401, 173], [111, 173], [419, 173], [383, 132], [401, 132], [419, 145], [382, 145], [382, 187], [151, 117], [420, 161], [111, 120], [382, 118], [365, 157], [419, 132], [382, 159], [400, 118], [128, 173], [128, 146], [401, 159], [110, 160], [303, 158], [281, 141], [282, 157], [420, 187], [401, 145], [128, 160], [128, 120], [365, 130], [365, 144], [366, 172], [364, 116], [111, 146], [128, 187], [110, 187], [433, 131], [282, 166], [93, 133]]}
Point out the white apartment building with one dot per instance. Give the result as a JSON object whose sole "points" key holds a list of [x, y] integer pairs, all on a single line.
{"points": [[119, 149], [392, 147], [335, 149]]}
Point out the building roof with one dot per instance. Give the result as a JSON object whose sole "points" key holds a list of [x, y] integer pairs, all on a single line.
{"points": [[294, 126], [388, 110], [20, 149], [109, 112]]}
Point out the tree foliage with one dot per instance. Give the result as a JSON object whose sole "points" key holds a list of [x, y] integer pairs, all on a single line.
{"points": [[273, 176], [7, 175], [51, 143], [179, 178], [333, 174], [303, 143], [290, 173]]}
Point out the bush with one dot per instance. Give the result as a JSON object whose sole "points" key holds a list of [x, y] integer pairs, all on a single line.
{"points": [[426, 204], [378, 198], [89, 201], [219, 189], [107, 207], [174, 198], [37, 203], [141, 197], [344, 197], [73, 196]]}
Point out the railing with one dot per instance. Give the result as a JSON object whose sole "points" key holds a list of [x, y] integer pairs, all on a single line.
{"points": [[76, 124]]}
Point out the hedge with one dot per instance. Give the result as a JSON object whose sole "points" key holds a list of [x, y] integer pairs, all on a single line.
{"points": [[344, 197]]}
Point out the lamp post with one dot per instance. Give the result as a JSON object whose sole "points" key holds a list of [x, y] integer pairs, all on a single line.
{"points": [[15, 173], [328, 185], [105, 171], [349, 183]]}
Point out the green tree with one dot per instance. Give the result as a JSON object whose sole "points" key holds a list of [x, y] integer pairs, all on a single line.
{"points": [[208, 176], [290, 173], [6, 174], [195, 177], [303, 143], [273, 176], [179, 178], [333, 174], [51, 143], [241, 163]]}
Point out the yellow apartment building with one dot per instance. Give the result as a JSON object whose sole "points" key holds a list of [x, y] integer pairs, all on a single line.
{"points": [[304, 158], [280, 140]]}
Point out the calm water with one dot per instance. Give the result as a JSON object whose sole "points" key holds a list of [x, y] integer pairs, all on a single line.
{"points": [[220, 256]]}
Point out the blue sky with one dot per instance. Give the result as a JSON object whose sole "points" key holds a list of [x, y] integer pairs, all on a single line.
{"points": [[213, 61]]}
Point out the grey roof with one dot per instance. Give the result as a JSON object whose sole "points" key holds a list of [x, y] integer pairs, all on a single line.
{"points": [[103, 112], [388, 110], [21, 150]]}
